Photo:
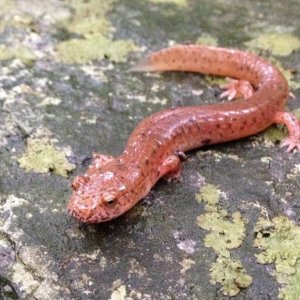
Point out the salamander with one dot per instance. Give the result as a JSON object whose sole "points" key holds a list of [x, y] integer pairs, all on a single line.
{"points": [[113, 185]]}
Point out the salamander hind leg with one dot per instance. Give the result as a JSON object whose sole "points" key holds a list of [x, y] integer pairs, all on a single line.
{"points": [[293, 126], [237, 88], [171, 167]]}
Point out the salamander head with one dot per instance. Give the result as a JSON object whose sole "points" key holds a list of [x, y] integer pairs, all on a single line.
{"points": [[98, 197]]}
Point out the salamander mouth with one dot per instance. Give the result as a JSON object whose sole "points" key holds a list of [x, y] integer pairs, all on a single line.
{"points": [[89, 217]]}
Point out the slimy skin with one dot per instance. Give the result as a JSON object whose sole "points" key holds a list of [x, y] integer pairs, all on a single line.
{"points": [[155, 149]]}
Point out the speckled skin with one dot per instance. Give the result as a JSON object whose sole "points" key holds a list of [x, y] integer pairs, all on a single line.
{"points": [[112, 186]]}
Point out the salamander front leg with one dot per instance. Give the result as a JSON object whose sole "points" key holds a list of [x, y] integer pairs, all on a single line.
{"points": [[293, 126], [100, 160], [170, 168], [237, 88]]}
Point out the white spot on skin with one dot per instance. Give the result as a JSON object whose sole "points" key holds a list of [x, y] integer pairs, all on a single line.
{"points": [[107, 175], [83, 206], [122, 188]]}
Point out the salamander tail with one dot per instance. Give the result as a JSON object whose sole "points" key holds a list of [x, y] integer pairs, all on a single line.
{"points": [[143, 65]]}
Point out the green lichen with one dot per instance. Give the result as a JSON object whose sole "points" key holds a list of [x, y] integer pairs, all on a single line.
{"points": [[215, 80], [230, 274], [89, 21], [12, 16], [209, 194], [224, 233], [42, 157], [89, 17], [91, 27], [289, 76], [23, 53], [276, 134], [6, 6], [277, 43], [292, 290], [177, 2], [279, 240], [207, 39], [94, 48]]}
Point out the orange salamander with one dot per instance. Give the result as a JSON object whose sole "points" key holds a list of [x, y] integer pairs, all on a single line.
{"points": [[111, 186]]}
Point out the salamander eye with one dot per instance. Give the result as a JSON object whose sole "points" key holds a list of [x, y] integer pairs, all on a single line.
{"points": [[110, 200]]}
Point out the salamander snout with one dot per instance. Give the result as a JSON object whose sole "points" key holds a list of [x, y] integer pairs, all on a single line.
{"points": [[96, 208]]}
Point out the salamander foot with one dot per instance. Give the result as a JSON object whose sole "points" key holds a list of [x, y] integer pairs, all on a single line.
{"points": [[237, 88]]}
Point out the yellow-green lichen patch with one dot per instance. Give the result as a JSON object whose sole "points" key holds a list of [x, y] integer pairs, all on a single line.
{"points": [[276, 43], [224, 233], [207, 39], [88, 27], [216, 80], [177, 2], [289, 76], [98, 47], [276, 133], [209, 194], [6, 5], [279, 240], [292, 290], [230, 274], [89, 21], [22, 53], [89, 17], [42, 157]]}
